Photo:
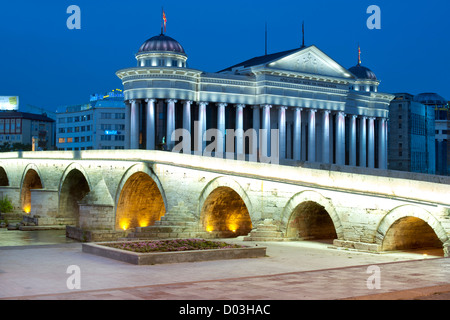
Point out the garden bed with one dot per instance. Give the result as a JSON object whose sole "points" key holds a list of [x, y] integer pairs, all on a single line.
{"points": [[172, 251]]}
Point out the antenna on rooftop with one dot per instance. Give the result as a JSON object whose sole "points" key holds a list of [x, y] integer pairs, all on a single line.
{"points": [[303, 33], [266, 41]]}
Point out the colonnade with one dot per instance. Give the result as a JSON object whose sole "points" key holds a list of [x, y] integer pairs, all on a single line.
{"points": [[331, 136]]}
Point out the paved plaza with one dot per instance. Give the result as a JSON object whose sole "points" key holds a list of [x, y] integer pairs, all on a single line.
{"points": [[291, 271]]}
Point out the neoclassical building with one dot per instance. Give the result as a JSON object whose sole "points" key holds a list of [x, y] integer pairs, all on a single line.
{"points": [[323, 111]]}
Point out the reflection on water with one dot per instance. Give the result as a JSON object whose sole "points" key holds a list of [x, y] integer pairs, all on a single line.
{"points": [[10, 238]]}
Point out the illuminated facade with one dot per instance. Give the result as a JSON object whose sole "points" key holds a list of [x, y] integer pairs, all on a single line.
{"points": [[323, 111], [411, 135], [99, 124], [440, 106]]}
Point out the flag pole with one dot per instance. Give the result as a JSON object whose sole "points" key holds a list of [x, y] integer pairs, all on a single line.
{"points": [[162, 20]]}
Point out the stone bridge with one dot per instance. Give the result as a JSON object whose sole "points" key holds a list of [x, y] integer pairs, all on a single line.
{"points": [[138, 193]]}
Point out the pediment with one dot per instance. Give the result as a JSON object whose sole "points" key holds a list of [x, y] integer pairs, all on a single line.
{"points": [[310, 60]]}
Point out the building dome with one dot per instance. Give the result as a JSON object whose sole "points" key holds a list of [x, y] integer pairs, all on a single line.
{"points": [[430, 99], [363, 73], [161, 43]]}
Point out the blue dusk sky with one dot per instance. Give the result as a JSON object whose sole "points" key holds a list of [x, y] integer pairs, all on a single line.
{"points": [[47, 65]]}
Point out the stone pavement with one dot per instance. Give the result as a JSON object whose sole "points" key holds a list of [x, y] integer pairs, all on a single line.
{"points": [[291, 271]]}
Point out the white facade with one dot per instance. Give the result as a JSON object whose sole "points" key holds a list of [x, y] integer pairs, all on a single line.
{"points": [[324, 112]]}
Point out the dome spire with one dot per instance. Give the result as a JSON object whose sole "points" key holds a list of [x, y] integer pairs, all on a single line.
{"points": [[359, 55]]}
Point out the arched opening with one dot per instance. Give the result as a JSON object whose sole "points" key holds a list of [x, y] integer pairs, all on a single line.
{"points": [[74, 188], [225, 215], [140, 203], [412, 234], [31, 181], [4, 181], [310, 221]]}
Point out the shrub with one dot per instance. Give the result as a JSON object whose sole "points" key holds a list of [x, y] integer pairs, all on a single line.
{"points": [[6, 205]]}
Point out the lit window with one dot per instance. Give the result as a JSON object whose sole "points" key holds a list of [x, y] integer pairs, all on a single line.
{"points": [[62, 140]]}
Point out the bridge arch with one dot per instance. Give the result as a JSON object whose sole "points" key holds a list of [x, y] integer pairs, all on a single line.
{"points": [[73, 187], [309, 214], [225, 208], [410, 227], [4, 180], [31, 179], [140, 199]]}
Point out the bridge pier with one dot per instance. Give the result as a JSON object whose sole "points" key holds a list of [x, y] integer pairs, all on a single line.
{"points": [[44, 207]]}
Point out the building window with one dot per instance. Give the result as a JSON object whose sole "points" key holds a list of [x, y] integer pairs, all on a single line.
{"points": [[120, 138], [105, 115], [62, 140], [120, 116], [105, 138], [69, 140], [105, 126], [62, 130]]}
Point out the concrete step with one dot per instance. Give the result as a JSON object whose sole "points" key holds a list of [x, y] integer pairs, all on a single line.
{"points": [[161, 235], [165, 229], [269, 234]]}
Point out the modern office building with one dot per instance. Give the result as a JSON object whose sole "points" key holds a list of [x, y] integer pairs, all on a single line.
{"points": [[411, 135], [22, 127], [99, 124], [441, 109], [323, 111]]}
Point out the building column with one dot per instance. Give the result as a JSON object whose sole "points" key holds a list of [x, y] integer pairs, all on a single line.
{"points": [[200, 143], [352, 131], [282, 131], [382, 158], [221, 122], [187, 115], [362, 142], [371, 143], [151, 125], [312, 135], [297, 133], [239, 132], [134, 125], [256, 125], [127, 125], [265, 135], [170, 123], [326, 136], [340, 138]]}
